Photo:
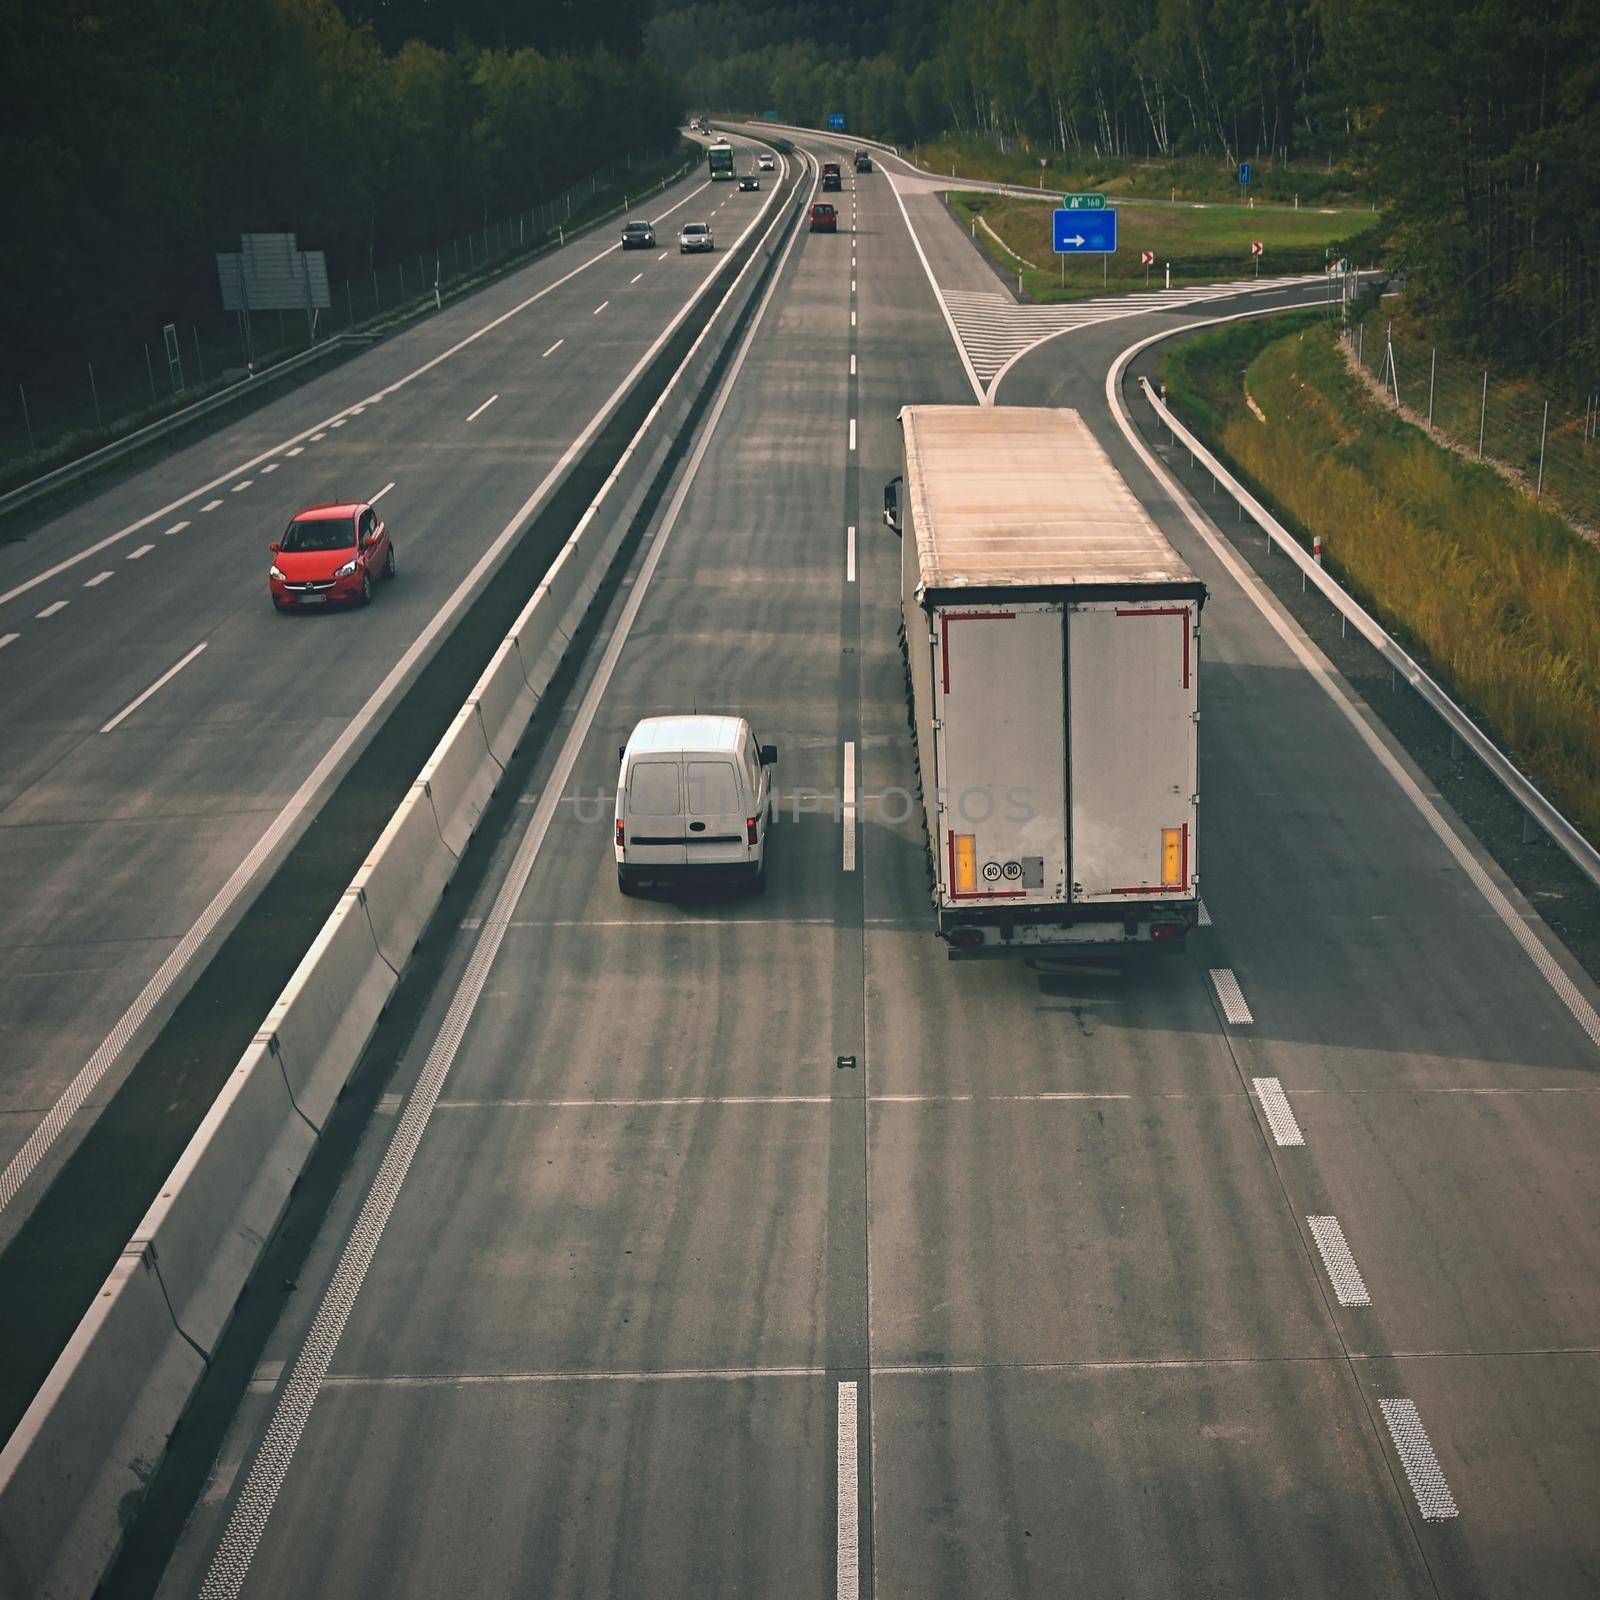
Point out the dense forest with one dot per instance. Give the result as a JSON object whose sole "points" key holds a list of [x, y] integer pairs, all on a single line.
{"points": [[139, 137], [1479, 126]]}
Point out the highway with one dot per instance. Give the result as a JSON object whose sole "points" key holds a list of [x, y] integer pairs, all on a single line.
{"points": [[710, 1245], [166, 736]]}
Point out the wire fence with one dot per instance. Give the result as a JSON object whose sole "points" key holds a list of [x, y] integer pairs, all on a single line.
{"points": [[1552, 444], [54, 415]]}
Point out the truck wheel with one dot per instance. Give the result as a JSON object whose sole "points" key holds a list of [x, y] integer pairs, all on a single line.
{"points": [[758, 879], [626, 881]]}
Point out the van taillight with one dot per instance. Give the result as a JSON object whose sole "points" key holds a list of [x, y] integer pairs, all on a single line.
{"points": [[619, 834], [750, 830]]}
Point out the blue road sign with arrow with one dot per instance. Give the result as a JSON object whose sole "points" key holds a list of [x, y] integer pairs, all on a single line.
{"points": [[1244, 172], [1085, 232]]}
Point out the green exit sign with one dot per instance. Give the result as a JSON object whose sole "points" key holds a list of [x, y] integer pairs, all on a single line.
{"points": [[1084, 202]]}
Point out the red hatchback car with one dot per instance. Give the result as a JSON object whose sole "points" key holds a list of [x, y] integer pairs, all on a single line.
{"points": [[330, 554]]}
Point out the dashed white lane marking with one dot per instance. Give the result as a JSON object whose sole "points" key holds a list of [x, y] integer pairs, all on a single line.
{"points": [[852, 286], [166, 677], [852, 364], [1423, 1471], [1280, 1118], [317, 437], [8, 638], [381, 493], [852, 319], [849, 1488], [338, 422], [634, 279], [98, 579], [484, 407], [1230, 996], [298, 450], [553, 348], [140, 553], [850, 554], [599, 308], [211, 505], [50, 610], [177, 527], [663, 256], [852, 433], [1205, 915], [241, 486], [849, 805], [271, 466], [1348, 1287]]}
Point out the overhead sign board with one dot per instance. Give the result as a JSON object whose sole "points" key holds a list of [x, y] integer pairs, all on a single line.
{"points": [[1084, 202], [269, 273], [836, 121], [1084, 233]]}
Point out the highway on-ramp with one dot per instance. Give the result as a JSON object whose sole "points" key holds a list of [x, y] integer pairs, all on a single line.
{"points": [[712, 1245]]}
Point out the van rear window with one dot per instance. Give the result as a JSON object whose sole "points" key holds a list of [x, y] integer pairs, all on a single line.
{"points": [[713, 791], [653, 789]]}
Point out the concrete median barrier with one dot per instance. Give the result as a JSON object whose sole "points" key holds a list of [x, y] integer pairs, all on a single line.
{"points": [[87, 1446], [324, 1017], [505, 701], [460, 777], [403, 878]]}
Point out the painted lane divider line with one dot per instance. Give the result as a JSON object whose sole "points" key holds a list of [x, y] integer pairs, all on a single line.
{"points": [[852, 286], [852, 319], [1230, 996], [663, 256], [8, 638], [338, 422], [1280, 1118], [50, 610], [177, 527], [849, 805], [634, 279], [271, 466], [211, 505], [1423, 1471], [848, 1542], [852, 433], [241, 486], [299, 449], [599, 308], [381, 493], [1348, 1287], [98, 579], [317, 438], [484, 407], [166, 677], [850, 554], [140, 553], [852, 363], [553, 348]]}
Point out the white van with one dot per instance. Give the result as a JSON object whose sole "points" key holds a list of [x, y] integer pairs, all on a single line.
{"points": [[694, 797]]}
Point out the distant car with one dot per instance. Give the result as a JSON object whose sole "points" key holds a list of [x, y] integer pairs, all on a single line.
{"points": [[824, 219], [328, 555], [863, 161], [766, 162], [638, 236], [830, 177], [749, 180], [696, 236]]}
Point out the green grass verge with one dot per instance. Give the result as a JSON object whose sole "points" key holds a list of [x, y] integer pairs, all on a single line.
{"points": [[1187, 177], [1500, 596], [1207, 245]]}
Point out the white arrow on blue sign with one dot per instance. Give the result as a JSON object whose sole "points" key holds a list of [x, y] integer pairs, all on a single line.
{"points": [[1085, 232], [1244, 172]]}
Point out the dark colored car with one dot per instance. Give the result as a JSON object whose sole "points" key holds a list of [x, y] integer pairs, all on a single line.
{"points": [[824, 219], [749, 181], [330, 554], [830, 177], [863, 161], [638, 236]]}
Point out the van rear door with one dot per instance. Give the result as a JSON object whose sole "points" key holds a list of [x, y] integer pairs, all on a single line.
{"points": [[715, 833], [653, 820]]}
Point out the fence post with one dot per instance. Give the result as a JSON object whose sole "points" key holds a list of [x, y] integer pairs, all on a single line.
{"points": [[349, 304], [377, 303], [27, 421], [152, 371], [199, 363], [402, 270], [1544, 429], [455, 244], [1483, 411], [1433, 364], [98, 422]]}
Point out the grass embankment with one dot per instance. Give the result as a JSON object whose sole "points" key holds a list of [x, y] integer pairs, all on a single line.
{"points": [[1188, 177], [1205, 245], [1499, 595]]}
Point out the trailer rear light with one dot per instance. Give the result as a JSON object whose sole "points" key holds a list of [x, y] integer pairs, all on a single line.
{"points": [[619, 835], [1171, 858], [966, 862], [965, 938], [750, 830], [1167, 931]]}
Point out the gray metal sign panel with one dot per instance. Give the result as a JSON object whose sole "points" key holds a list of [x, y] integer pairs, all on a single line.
{"points": [[270, 274]]}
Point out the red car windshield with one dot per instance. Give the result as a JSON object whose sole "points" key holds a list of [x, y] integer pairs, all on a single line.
{"points": [[320, 533]]}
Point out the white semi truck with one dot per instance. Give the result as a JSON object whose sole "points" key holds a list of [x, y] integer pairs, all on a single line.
{"points": [[1053, 648]]}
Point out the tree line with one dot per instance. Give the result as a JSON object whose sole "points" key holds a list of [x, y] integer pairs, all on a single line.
{"points": [[139, 137], [1478, 127]]}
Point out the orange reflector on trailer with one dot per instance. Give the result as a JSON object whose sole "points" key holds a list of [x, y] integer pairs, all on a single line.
{"points": [[966, 851], [1171, 859]]}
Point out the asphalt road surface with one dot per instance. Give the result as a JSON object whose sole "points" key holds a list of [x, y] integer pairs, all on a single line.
{"points": [[717, 1246], [160, 719]]}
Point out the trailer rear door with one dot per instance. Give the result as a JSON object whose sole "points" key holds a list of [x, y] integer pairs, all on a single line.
{"points": [[1001, 767], [1132, 703]]}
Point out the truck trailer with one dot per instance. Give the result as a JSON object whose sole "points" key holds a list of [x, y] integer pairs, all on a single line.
{"points": [[1052, 640]]}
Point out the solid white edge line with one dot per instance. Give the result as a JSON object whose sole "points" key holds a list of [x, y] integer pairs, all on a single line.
{"points": [[336, 421], [850, 554], [381, 493], [847, 1552], [230, 1561], [166, 677], [1325, 677], [72, 1098], [484, 407], [938, 295]]}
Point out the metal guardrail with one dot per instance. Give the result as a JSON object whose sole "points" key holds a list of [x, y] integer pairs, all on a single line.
{"points": [[1537, 806]]}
